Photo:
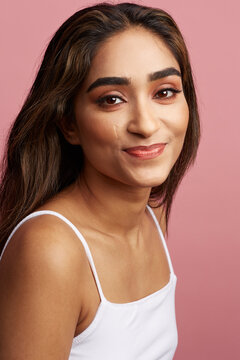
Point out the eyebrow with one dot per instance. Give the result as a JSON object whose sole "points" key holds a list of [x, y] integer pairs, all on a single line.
{"points": [[114, 80]]}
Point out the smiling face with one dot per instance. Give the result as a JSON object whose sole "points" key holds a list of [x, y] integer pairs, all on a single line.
{"points": [[131, 113]]}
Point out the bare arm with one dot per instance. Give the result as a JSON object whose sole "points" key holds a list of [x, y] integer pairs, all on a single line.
{"points": [[40, 277]]}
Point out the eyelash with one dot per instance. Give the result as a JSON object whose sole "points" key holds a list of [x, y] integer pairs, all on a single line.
{"points": [[100, 101]]}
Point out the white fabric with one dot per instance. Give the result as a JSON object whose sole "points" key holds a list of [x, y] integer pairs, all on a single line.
{"points": [[140, 330]]}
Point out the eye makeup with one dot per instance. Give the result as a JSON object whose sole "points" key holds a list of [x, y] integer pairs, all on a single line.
{"points": [[112, 99]]}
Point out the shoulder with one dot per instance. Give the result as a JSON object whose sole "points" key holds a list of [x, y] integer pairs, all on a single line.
{"points": [[44, 248], [45, 238], [41, 273]]}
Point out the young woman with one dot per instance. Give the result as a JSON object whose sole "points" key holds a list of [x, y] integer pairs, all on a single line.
{"points": [[102, 142]]}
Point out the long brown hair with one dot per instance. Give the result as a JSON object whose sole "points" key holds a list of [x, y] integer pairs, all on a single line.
{"points": [[38, 161]]}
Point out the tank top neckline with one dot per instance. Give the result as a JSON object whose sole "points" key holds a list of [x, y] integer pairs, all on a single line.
{"points": [[104, 300]]}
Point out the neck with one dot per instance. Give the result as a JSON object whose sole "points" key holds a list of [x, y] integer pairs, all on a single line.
{"points": [[114, 208]]}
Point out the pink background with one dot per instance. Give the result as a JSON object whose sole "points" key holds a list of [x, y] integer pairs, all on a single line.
{"points": [[204, 227]]}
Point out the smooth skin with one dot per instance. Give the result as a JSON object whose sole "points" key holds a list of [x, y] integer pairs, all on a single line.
{"points": [[48, 293]]}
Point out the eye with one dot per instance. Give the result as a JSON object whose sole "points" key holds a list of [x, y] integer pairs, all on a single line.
{"points": [[167, 93], [109, 100]]}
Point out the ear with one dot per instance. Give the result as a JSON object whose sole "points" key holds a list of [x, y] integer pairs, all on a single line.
{"points": [[69, 130]]}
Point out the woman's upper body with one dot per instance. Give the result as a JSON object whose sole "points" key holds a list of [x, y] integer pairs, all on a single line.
{"points": [[50, 293]]}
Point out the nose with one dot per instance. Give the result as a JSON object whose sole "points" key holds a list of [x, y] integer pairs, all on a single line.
{"points": [[144, 120]]}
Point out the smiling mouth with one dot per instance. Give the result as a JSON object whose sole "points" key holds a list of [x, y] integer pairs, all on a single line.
{"points": [[146, 152]]}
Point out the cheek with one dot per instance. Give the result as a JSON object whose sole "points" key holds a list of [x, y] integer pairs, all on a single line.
{"points": [[178, 121], [177, 124], [96, 130]]}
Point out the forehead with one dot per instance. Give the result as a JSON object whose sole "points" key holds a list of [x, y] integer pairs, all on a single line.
{"points": [[133, 53]]}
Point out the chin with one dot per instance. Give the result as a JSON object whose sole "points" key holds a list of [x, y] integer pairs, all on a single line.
{"points": [[152, 178], [150, 182]]}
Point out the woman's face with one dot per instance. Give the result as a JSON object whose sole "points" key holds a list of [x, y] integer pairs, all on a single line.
{"points": [[131, 113]]}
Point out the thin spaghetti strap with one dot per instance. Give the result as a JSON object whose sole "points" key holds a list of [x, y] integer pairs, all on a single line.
{"points": [[163, 239], [77, 232]]}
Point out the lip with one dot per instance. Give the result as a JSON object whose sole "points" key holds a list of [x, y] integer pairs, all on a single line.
{"points": [[146, 152]]}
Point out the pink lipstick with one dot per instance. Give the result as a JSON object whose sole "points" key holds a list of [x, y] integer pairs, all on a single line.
{"points": [[146, 152]]}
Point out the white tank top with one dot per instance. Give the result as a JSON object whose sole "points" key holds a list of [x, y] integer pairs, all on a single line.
{"points": [[144, 329]]}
